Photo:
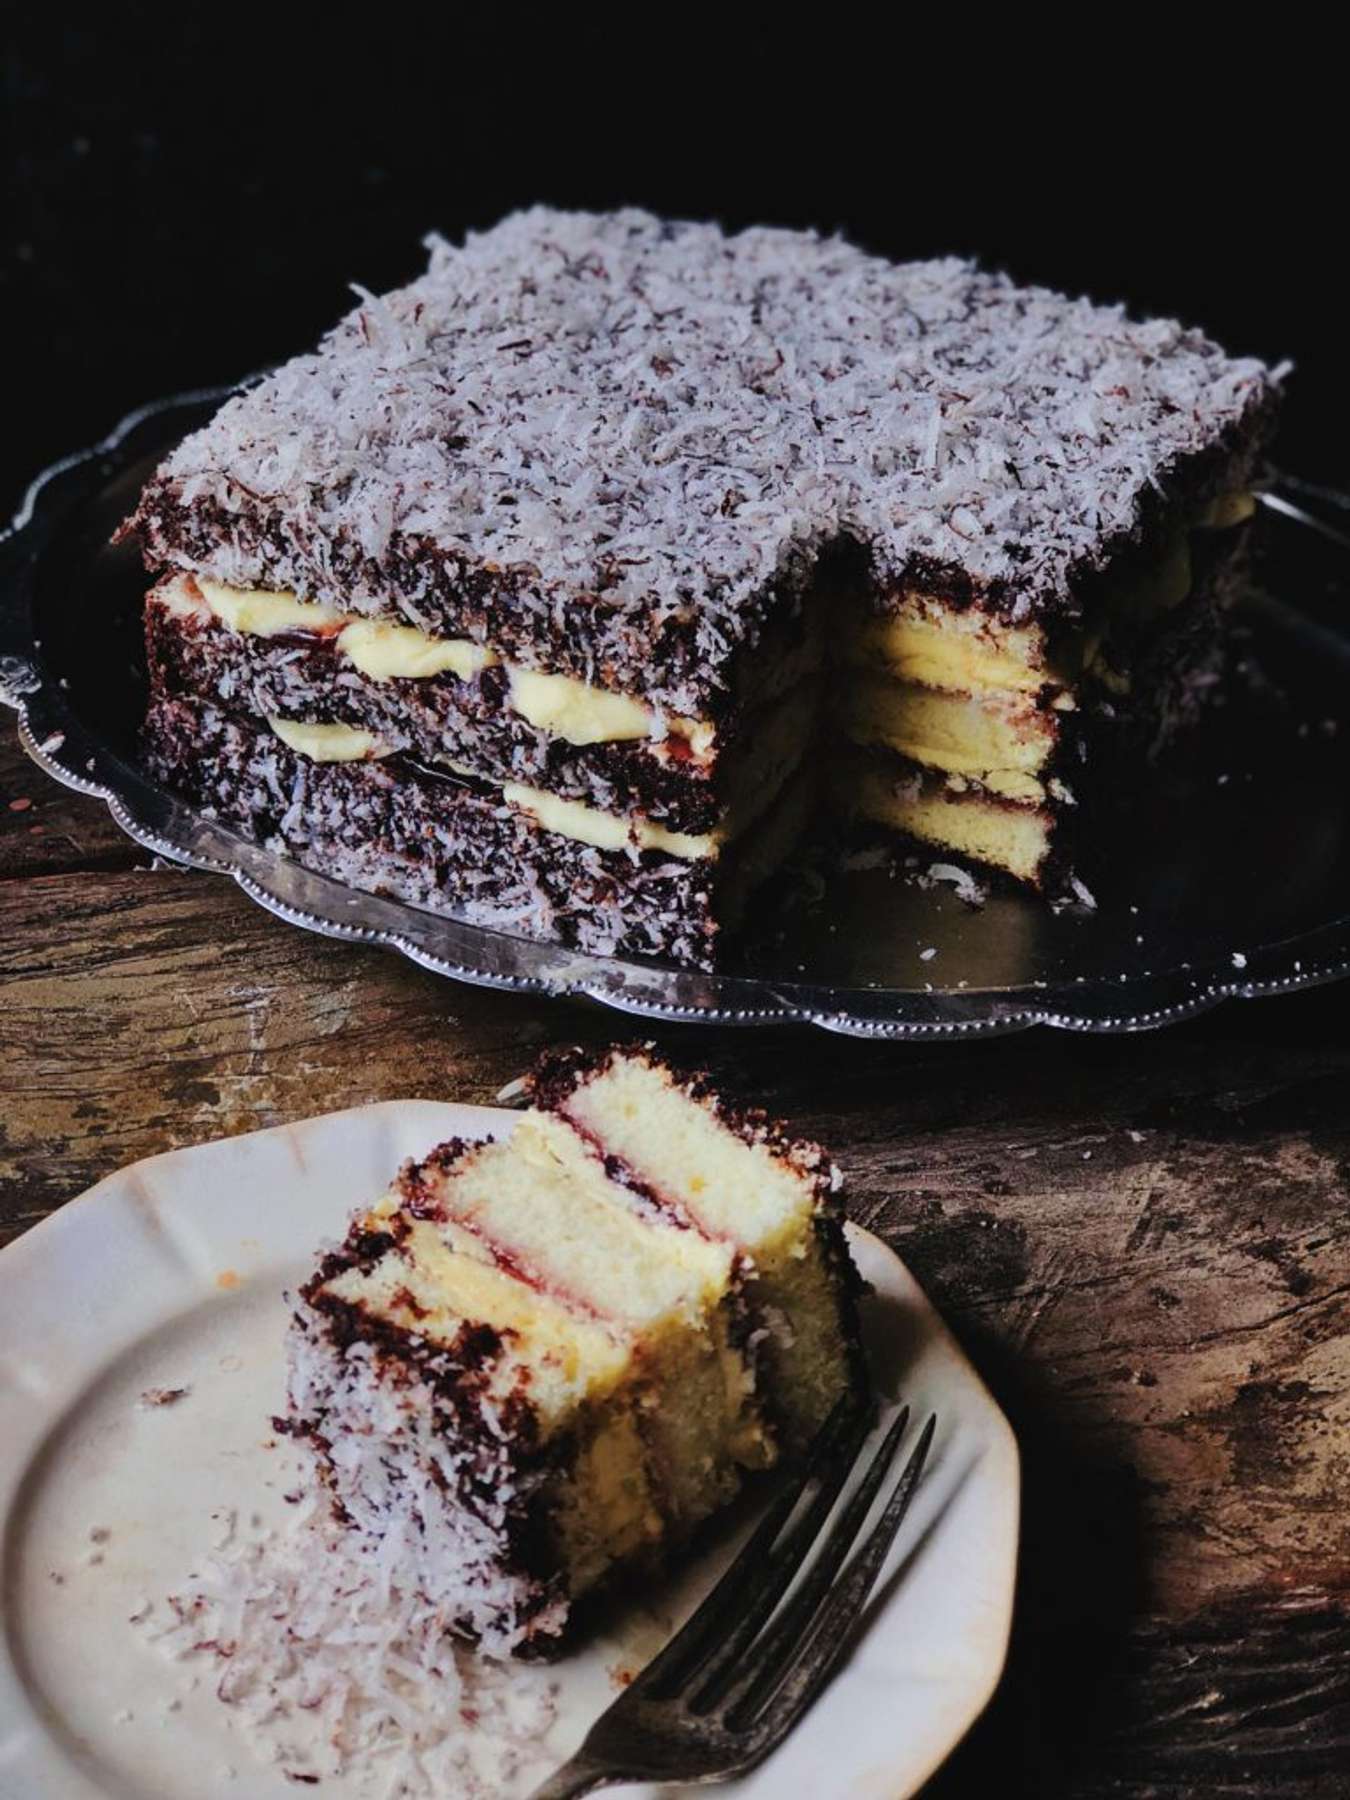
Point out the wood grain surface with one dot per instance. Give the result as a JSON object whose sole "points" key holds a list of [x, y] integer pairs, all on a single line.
{"points": [[1142, 1242]]}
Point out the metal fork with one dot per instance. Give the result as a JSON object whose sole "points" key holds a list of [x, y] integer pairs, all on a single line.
{"points": [[728, 1688]]}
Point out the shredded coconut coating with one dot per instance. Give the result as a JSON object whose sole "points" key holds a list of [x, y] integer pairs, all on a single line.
{"points": [[338, 1673], [642, 434]]}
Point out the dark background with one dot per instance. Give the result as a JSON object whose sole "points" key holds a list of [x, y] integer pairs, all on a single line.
{"points": [[191, 191]]}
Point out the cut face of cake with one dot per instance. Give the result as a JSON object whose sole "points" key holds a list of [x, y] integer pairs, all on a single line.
{"points": [[431, 768], [970, 730], [537, 1361], [558, 588]]}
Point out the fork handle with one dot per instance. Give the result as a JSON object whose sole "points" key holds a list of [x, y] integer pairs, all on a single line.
{"points": [[580, 1776]]}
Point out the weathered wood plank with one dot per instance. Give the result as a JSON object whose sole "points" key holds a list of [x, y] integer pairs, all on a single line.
{"points": [[45, 827], [156, 1008], [1247, 1699]]}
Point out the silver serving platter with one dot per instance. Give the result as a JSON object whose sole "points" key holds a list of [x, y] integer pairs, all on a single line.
{"points": [[1235, 882]]}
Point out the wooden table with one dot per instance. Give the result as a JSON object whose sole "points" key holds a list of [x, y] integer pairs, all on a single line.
{"points": [[1143, 1244]]}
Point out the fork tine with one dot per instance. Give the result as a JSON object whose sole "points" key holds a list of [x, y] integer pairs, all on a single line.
{"points": [[789, 1628], [786, 1559], [803, 1645], [745, 1577]]}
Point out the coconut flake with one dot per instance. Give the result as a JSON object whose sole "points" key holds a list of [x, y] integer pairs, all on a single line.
{"points": [[967, 888], [1083, 894]]}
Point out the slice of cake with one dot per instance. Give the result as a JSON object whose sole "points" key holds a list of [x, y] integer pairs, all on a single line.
{"points": [[545, 591], [541, 1360]]}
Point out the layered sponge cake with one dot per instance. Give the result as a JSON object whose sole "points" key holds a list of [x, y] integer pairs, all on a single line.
{"points": [[541, 1360], [991, 732], [563, 588]]}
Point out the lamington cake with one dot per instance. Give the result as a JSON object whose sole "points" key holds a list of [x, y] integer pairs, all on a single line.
{"points": [[540, 1361], [564, 587]]}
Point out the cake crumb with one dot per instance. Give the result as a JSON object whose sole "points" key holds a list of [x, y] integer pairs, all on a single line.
{"points": [[972, 892], [1083, 894], [163, 1396]]}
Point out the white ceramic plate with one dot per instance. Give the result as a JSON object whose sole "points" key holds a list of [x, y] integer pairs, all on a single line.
{"points": [[169, 1275]]}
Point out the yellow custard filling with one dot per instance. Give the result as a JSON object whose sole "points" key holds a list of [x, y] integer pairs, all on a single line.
{"points": [[387, 652], [329, 743], [606, 830], [923, 641]]}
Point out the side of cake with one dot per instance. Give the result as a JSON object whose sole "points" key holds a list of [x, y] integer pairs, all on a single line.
{"points": [[615, 531], [538, 1361]]}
